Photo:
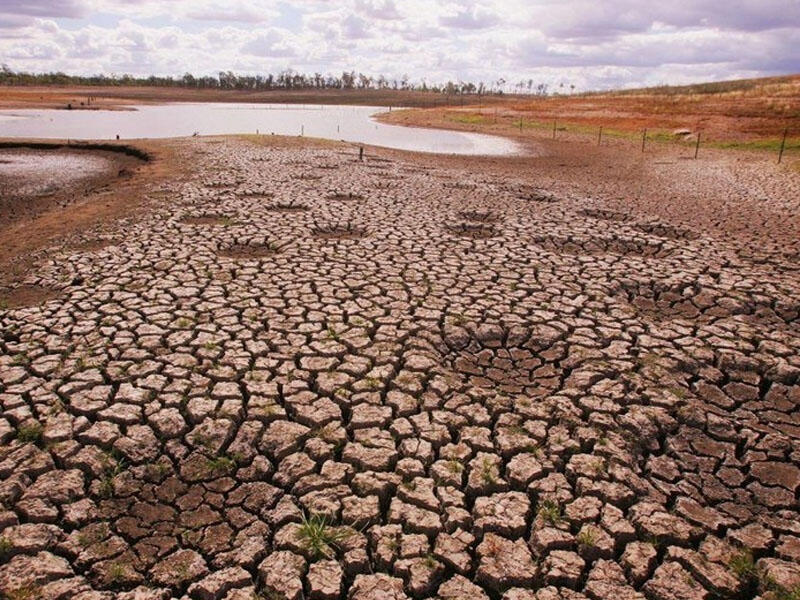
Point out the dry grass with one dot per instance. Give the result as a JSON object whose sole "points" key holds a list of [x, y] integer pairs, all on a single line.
{"points": [[751, 112]]}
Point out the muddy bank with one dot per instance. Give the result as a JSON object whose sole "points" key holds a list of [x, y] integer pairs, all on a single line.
{"points": [[51, 190], [36, 178]]}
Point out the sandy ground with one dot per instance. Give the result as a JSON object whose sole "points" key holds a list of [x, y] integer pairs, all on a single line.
{"points": [[291, 374]]}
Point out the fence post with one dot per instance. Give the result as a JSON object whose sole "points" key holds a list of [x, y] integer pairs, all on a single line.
{"points": [[554, 128], [783, 145], [600, 135], [644, 138], [697, 146]]}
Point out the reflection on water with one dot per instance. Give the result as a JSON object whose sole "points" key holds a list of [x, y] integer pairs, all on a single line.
{"points": [[348, 123]]}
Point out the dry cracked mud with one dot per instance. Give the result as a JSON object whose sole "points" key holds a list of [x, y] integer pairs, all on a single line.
{"points": [[439, 388]]}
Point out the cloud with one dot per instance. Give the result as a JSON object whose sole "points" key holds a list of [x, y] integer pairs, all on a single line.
{"points": [[591, 44], [378, 9], [239, 12], [355, 28], [272, 43], [587, 19], [475, 17], [71, 9]]}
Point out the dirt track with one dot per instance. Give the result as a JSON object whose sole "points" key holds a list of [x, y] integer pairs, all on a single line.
{"points": [[296, 375]]}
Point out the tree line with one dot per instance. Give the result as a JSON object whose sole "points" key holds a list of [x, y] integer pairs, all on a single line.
{"points": [[285, 80]]}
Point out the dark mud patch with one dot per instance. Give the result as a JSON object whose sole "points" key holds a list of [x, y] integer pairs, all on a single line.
{"points": [[218, 220], [473, 230], [345, 196], [531, 193], [604, 215], [664, 230], [458, 185], [339, 232], [288, 207], [516, 360], [659, 300], [256, 194], [479, 216], [598, 246], [247, 251]]}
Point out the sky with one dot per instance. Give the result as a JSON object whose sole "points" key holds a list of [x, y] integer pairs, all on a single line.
{"points": [[570, 45]]}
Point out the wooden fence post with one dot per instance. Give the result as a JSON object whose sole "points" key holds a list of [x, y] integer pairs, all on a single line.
{"points": [[783, 145], [697, 146], [644, 138]]}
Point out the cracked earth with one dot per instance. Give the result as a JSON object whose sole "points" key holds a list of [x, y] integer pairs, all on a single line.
{"points": [[302, 376]]}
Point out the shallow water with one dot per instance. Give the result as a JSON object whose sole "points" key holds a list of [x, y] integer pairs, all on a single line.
{"points": [[347, 123]]}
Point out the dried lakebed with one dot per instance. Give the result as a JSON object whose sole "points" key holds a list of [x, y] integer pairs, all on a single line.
{"points": [[292, 380]]}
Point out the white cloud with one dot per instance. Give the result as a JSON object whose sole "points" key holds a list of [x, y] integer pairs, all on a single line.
{"points": [[378, 9], [471, 17], [587, 43], [237, 12], [271, 43]]}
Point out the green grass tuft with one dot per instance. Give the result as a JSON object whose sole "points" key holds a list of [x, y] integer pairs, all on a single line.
{"points": [[318, 537]]}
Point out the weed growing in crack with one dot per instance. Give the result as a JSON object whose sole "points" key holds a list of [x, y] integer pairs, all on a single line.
{"points": [[220, 464], [372, 383], [20, 360], [30, 433], [487, 472], [587, 537], [116, 572], [28, 592], [743, 566], [550, 512], [599, 467], [455, 466], [318, 537], [5, 547]]}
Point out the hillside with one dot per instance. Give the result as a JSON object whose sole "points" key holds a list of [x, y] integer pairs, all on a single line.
{"points": [[747, 112]]}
